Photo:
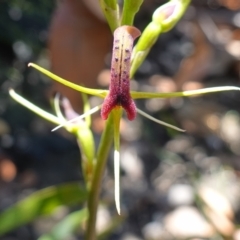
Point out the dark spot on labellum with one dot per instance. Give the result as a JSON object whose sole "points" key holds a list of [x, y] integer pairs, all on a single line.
{"points": [[126, 59], [127, 50], [116, 59], [116, 47]]}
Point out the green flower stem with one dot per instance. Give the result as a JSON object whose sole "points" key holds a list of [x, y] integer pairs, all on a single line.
{"points": [[93, 198], [148, 37], [48, 116], [111, 13], [142, 95], [85, 141], [130, 8]]}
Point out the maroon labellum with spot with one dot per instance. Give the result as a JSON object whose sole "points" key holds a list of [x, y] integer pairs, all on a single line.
{"points": [[119, 89]]}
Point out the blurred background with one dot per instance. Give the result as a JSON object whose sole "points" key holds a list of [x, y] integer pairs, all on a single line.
{"points": [[174, 185]]}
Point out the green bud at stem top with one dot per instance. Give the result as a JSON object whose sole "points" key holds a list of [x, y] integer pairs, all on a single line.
{"points": [[170, 13], [164, 18]]}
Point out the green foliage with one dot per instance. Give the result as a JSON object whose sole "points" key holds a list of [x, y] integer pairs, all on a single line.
{"points": [[67, 226], [41, 203]]}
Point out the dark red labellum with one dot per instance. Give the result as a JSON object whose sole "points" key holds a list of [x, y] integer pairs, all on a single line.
{"points": [[119, 89]]}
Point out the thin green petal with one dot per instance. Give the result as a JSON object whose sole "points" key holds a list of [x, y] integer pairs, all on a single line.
{"points": [[142, 95], [56, 105], [159, 121], [48, 116], [95, 92]]}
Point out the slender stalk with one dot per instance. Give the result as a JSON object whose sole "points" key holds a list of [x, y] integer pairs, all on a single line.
{"points": [[130, 8], [93, 198]]}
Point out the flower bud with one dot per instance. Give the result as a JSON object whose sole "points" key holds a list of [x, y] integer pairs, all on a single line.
{"points": [[169, 14]]}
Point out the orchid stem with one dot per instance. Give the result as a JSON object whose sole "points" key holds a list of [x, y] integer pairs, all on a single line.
{"points": [[93, 199]]}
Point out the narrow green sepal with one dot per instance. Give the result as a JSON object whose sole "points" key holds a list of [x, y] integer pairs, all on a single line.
{"points": [[42, 113], [95, 92], [142, 95]]}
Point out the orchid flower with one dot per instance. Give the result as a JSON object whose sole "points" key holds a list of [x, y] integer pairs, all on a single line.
{"points": [[126, 59], [118, 96], [125, 62]]}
